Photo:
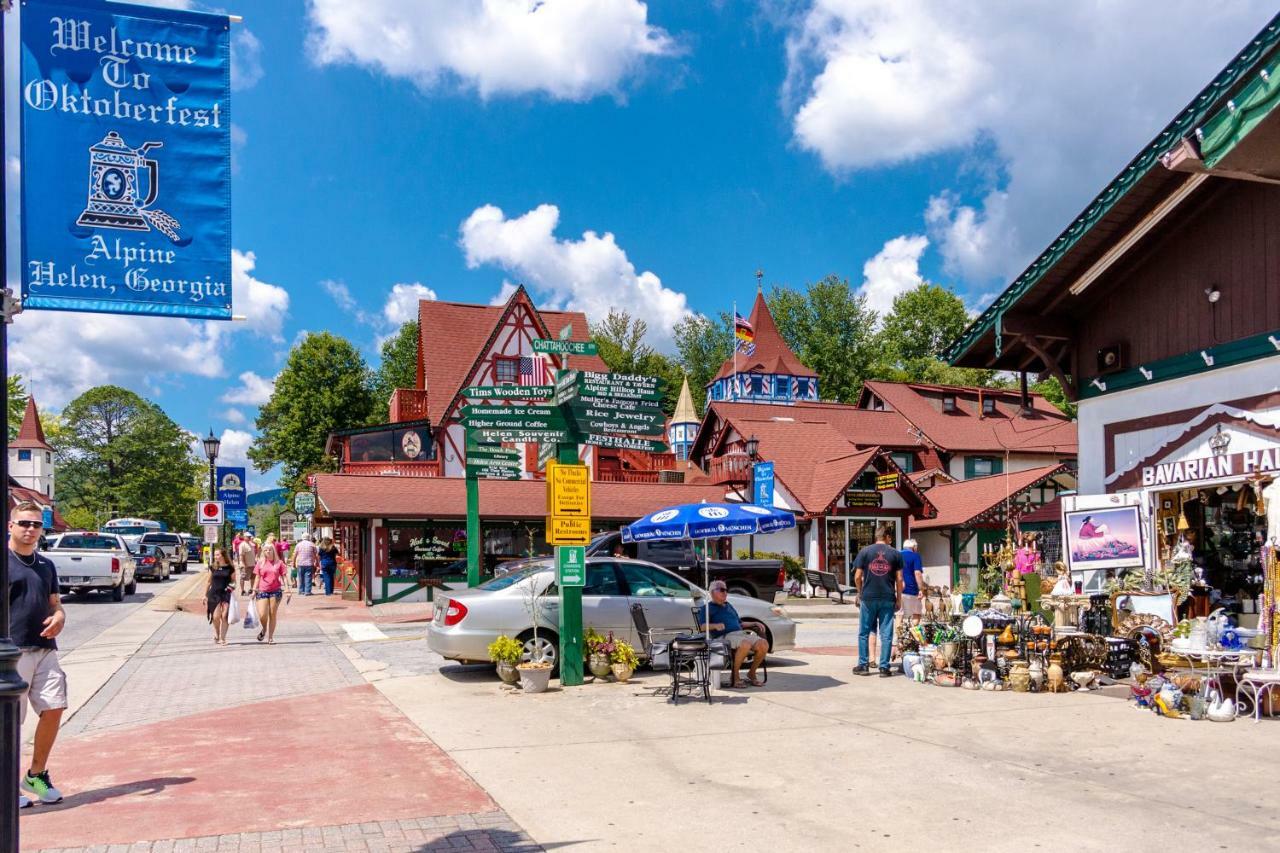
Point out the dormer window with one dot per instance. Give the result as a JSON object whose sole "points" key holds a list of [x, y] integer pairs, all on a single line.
{"points": [[949, 404], [988, 406]]}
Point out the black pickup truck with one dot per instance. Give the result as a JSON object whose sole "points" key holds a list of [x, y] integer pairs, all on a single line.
{"points": [[757, 578]]}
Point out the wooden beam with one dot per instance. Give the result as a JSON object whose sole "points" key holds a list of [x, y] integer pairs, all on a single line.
{"points": [[1055, 370], [1025, 323]]}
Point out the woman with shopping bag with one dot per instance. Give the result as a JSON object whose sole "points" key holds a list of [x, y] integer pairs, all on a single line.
{"points": [[270, 582], [217, 594]]}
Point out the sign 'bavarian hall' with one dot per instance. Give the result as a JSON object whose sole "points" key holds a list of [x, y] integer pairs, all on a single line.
{"points": [[126, 159], [1212, 467]]}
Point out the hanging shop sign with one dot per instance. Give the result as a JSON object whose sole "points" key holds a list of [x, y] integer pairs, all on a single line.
{"points": [[565, 347], [762, 484], [304, 503], [1216, 467], [126, 159], [887, 482], [863, 498]]}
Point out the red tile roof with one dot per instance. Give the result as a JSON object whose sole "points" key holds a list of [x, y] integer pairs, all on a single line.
{"points": [[350, 495], [31, 434], [18, 494], [772, 354], [1051, 512], [960, 502], [1045, 430], [861, 427], [453, 335]]}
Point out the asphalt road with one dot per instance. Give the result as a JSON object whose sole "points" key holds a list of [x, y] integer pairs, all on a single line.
{"points": [[89, 615]]}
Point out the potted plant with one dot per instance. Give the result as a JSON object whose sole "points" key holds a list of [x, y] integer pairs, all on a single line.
{"points": [[624, 659], [598, 651], [535, 675], [506, 653]]}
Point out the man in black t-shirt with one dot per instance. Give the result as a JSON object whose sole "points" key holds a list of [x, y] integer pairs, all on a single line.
{"points": [[879, 581], [36, 617]]}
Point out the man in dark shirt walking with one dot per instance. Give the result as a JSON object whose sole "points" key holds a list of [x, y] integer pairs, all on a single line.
{"points": [[36, 617], [879, 582]]}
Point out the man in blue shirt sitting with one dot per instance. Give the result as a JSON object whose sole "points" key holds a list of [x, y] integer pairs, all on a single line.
{"points": [[725, 625]]}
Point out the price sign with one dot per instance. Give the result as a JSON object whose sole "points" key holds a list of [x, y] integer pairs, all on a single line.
{"points": [[568, 530], [571, 565]]}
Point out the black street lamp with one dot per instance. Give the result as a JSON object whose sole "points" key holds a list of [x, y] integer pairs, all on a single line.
{"points": [[753, 455], [211, 445]]}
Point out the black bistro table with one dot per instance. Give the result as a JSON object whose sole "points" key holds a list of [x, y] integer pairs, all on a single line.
{"points": [[690, 666]]}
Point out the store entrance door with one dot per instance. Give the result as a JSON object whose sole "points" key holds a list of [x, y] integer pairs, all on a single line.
{"points": [[846, 536]]}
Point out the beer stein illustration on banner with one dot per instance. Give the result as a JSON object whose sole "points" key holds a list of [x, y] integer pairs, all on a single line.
{"points": [[114, 189]]}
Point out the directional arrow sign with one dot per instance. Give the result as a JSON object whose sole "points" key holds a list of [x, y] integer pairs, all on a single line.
{"points": [[565, 347], [619, 386], [493, 472], [590, 418], [517, 423], [523, 436], [509, 392], [624, 443], [496, 454]]}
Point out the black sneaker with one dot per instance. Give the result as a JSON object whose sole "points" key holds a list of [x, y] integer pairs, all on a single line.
{"points": [[886, 672], [861, 669]]}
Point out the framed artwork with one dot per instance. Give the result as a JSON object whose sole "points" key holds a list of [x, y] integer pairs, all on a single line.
{"points": [[1109, 538], [1168, 525], [1167, 505]]}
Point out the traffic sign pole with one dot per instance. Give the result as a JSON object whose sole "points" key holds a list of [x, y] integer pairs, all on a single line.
{"points": [[473, 518], [570, 606]]}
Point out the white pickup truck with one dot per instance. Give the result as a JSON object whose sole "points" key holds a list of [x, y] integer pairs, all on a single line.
{"points": [[93, 561]]}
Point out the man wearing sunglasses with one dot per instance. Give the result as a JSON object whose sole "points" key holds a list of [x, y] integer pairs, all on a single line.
{"points": [[36, 617]]}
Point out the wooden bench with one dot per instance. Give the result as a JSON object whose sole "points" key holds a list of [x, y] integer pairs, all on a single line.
{"points": [[827, 582]]}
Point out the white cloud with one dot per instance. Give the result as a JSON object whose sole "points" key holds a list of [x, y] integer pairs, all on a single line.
{"points": [[1051, 100], [61, 354], [341, 294], [234, 453], [894, 270], [503, 294], [246, 59], [235, 416], [402, 302], [592, 274], [252, 390], [568, 49]]}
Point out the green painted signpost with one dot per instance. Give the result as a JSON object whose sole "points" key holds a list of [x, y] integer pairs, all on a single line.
{"points": [[571, 565], [565, 347]]}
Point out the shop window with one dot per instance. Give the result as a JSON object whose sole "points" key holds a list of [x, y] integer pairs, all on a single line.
{"points": [[430, 549], [988, 406], [982, 466], [949, 404], [24, 455], [506, 370], [905, 461]]}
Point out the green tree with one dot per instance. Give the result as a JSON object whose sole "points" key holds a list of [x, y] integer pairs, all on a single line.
{"points": [[620, 339], [1051, 389], [921, 324], [122, 455], [398, 368], [324, 387], [702, 345], [265, 518], [831, 330], [17, 404]]}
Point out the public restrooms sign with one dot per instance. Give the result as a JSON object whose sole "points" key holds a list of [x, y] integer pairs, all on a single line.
{"points": [[126, 159]]}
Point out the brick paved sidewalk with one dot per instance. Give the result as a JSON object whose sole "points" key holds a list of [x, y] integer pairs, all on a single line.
{"points": [[491, 831]]}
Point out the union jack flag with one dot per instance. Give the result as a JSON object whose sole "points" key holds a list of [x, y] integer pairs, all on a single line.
{"points": [[533, 371]]}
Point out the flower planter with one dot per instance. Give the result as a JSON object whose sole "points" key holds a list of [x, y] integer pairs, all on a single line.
{"points": [[622, 672], [534, 679], [599, 665], [507, 672]]}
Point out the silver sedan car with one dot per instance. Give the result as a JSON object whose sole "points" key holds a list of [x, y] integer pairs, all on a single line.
{"points": [[467, 621]]}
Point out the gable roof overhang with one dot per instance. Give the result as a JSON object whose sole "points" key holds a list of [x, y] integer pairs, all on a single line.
{"points": [[1029, 327], [968, 502]]}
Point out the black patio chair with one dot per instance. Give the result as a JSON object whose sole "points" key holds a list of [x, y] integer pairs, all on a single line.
{"points": [[656, 649]]}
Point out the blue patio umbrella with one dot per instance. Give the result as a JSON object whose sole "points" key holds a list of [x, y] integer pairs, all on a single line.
{"points": [[707, 521]]}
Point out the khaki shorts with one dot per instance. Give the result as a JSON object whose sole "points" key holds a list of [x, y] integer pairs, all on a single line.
{"points": [[911, 605], [46, 682], [737, 638]]}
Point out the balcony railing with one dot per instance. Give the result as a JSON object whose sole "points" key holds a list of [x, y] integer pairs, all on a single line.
{"points": [[627, 476], [407, 404], [733, 467], [394, 469]]}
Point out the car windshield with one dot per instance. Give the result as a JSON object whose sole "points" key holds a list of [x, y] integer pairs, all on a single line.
{"points": [[515, 577], [163, 538], [106, 543]]}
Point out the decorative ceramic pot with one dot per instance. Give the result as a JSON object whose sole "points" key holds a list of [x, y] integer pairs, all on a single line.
{"points": [[1083, 678], [507, 672], [1054, 675], [534, 678], [1019, 676], [1036, 671], [1007, 638], [1002, 604], [978, 660], [622, 672], [949, 652], [598, 664]]}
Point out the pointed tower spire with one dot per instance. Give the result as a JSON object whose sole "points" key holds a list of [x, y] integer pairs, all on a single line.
{"points": [[684, 413], [31, 433], [684, 423], [772, 373]]}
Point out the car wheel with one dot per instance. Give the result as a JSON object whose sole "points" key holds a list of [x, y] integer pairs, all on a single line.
{"points": [[117, 592], [64, 590], [546, 648], [131, 587], [738, 588]]}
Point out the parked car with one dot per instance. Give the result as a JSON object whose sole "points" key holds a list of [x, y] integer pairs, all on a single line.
{"points": [[194, 544], [175, 550], [761, 579], [152, 562], [93, 561], [466, 621]]}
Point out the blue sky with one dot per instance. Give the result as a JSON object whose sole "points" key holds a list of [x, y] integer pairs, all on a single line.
{"points": [[651, 157]]}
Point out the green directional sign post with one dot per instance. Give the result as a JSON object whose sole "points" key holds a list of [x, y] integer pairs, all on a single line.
{"points": [[571, 565], [565, 347], [509, 392]]}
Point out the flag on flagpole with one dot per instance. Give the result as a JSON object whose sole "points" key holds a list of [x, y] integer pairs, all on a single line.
{"points": [[744, 334], [533, 371]]}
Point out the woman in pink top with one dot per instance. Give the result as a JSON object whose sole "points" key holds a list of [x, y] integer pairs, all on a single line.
{"points": [[270, 581]]}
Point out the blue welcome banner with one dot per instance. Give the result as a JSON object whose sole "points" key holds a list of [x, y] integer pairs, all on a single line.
{"points": [[234, 496], [126, 159]]}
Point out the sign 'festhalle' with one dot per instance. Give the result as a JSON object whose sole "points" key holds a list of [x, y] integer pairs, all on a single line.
{"points": [[126, 159]]}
